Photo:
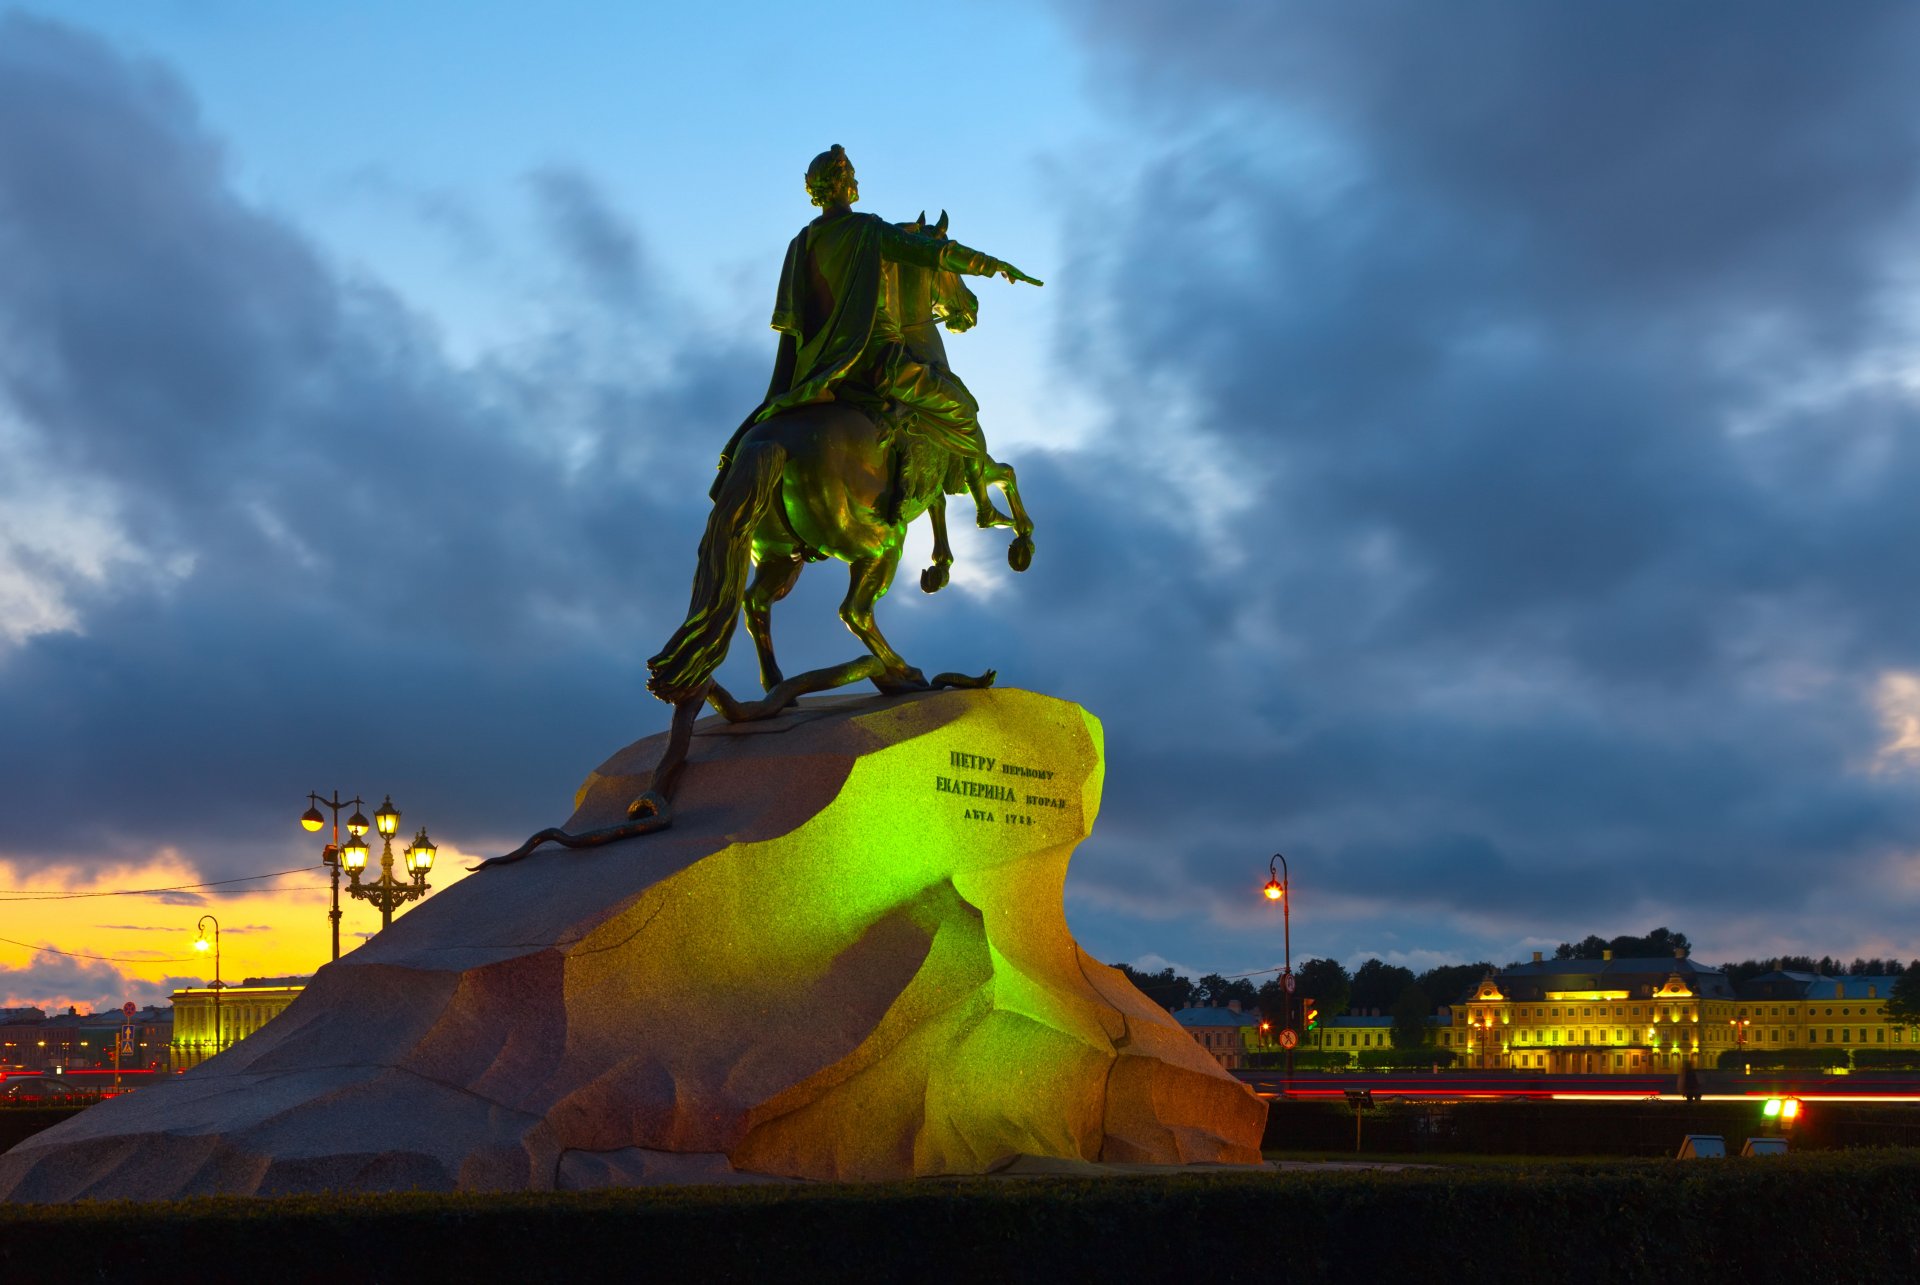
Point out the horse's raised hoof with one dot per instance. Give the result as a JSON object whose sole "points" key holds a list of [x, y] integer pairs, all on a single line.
{"points": [[934, 578], [1020, 553]]}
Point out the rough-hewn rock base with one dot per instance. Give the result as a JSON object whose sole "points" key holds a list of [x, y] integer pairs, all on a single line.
{"points": [[847, 959]]}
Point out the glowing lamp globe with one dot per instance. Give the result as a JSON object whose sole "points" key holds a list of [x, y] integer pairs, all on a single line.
{"points": [[1273, 890], [312, 819], [357, 824]]}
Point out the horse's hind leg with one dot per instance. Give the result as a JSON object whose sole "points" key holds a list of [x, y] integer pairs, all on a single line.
{"points": [[773, 578], [1020, 552], [867, 583]]}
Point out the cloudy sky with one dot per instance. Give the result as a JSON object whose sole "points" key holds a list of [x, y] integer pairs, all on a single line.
{"points": [[1474, 446]]}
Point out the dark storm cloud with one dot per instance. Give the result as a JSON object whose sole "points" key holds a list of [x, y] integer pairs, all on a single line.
{"points": [[53, 982], [1555, 358], [365, 566], [598, 243]]}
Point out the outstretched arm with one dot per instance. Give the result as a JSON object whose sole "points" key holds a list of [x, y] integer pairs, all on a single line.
{"points": [[924, 251], [955, 257]]}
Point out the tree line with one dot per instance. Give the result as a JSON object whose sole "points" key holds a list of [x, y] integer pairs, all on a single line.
{"points": [[1662, 942], [1375, 987], [1409, 998]]}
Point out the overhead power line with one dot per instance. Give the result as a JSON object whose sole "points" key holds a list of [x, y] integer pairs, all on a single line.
{"points": [[111, 959], [32, 894]]}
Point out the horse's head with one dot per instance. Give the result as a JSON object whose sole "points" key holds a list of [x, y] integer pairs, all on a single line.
{"points": [[953, 302]]}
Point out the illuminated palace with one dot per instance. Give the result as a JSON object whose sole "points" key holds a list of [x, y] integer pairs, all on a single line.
{"points": [[206, 1020], [1588, 1016]]}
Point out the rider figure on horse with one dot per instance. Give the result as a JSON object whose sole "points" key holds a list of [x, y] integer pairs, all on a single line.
{"points": [[839, 339]]}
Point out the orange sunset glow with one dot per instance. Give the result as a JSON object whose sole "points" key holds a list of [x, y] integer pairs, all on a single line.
{"points": [[114, 948]]}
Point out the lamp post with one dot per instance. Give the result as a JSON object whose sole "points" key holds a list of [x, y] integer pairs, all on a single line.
{"points": [[202, 946], [330, 855], [1278, 886], [1485, 1024], [387, 892], [1739, 1025]]}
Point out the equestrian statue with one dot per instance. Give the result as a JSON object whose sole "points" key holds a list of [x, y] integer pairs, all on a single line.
{"points": [[864, 428]]}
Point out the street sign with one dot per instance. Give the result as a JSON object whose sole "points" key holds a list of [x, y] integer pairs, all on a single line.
{"points": [[126, 1042], [1288, 1039], [1286, 980], [128, 1008]]}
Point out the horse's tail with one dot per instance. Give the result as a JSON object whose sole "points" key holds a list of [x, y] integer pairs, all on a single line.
{"points": [[752, 482]]}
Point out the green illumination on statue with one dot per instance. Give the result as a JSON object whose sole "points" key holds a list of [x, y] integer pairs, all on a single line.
{"points": [[920, 898]]}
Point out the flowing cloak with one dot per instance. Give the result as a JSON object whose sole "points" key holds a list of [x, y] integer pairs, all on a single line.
{"points": [[831, 313]]}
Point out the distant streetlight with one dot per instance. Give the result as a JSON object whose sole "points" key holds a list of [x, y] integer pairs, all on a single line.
{"points": [[387, 892], [330, 855], [1278, 886], [203, 946]]}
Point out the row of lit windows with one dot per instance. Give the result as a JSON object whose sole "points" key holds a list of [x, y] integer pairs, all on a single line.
{"points": [[1784, 1035], [1666, 1012]]}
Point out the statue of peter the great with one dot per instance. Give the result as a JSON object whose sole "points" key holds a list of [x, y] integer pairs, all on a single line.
{"points": [[840, 337]]}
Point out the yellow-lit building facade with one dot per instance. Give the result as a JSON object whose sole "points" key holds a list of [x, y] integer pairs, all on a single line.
{"points": [[1630, 1016], [1351, 1034], [207, 1020]]}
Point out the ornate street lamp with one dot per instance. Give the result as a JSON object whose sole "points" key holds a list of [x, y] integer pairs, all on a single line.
{"points": [[330, 855], [387, 892], [202, 945]]}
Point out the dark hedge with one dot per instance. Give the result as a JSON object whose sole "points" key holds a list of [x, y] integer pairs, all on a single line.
{"points": [[1782, 1059], [1535, 1127], [1836, 1217]]}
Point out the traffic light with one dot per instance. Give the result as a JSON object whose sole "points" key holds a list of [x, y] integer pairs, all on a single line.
{"points": [[1784, 1112], [1309, 1014]]}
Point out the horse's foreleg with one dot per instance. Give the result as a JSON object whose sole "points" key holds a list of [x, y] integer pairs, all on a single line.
{"points": [[1020, 552], [934, 578], [867, 582], [985, 514], [773, 577]]}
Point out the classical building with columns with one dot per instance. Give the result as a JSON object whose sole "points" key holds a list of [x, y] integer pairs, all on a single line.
{"points": [[1622, 1016], [207, 1020]]}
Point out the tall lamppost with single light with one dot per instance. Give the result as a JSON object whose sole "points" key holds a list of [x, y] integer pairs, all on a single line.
{"points": [[1279, 883], [330, 855], [387, 892], [202, 945]]}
